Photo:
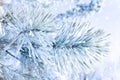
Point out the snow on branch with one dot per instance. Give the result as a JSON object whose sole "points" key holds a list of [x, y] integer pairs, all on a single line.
{"points": [[78, 44]]}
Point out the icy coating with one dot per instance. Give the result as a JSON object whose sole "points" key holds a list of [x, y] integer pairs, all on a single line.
{"points": [[32, 52]]}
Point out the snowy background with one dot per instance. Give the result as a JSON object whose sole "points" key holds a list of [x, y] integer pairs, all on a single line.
{"points": [[108, 19]]}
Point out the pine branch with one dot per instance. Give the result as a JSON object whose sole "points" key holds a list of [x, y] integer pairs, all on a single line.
{"points": [[76, 48], [26, 26], [25, 22], [29, 18], [78, 44]]}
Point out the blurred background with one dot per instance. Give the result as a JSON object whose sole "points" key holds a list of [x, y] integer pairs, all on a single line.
{"points": [[109, 20]]}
